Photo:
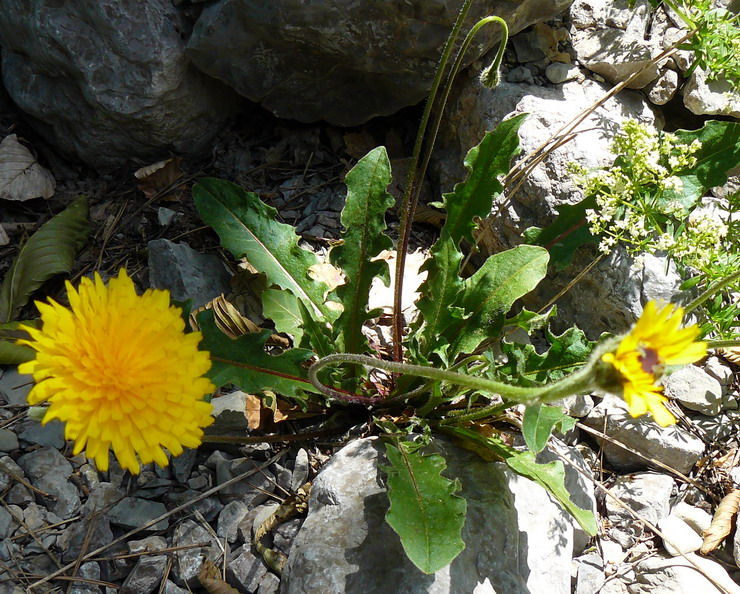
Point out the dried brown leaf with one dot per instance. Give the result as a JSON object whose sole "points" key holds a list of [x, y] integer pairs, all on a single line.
{"points": [[253, 412], [721, 524], [732, 354], [324, 272], [210, 578], [21, 176], [161, 176]]}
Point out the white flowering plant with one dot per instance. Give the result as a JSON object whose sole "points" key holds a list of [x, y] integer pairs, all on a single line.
{"points": [[654, 197]]}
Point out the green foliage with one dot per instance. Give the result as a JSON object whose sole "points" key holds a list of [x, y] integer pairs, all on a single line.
{"points": [[551, 476], [424, 510], [566, 234], [49, 251], [488, 295], [364, 223], [538, 423], [245, 363], [471, 199], [10, 352], [247, 228], [458, 316], [526, 367]]}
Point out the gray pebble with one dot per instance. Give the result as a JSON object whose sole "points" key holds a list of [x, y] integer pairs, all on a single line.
{"points": [[14, 387], [90, 571], [9, 470], [101, 496], [20, 495], [229, 518], [7, 523], [269, 584], [188, 561], [209, 507], [8, 441], [245, 569], [51, 434], [132, 512], [300, 470], [199, 482], [182, 465], [146, 575], [252, 490]]}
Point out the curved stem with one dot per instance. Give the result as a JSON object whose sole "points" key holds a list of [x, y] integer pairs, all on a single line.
{"points": [[405, 209], [722, 344], [577, 382], [415, 178]]}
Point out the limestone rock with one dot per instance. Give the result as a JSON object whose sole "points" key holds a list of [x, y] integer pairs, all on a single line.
{"points": [[609, 38], [677, 575], [107, 81], [185, 273], [680, 538], [373, 57], [710, 97], [695, 389], [344, 541], [673, 446], [646, 493]]}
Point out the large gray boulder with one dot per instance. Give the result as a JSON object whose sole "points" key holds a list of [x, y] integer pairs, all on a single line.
{"points": [[518, 540], [343, 61], [108, 80]]}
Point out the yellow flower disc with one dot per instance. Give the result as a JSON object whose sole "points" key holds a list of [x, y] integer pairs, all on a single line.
{"points": [[120, 372], [655, 341]]}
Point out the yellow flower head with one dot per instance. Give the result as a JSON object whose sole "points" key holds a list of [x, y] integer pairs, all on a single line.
{"points": [[655, 341], [120, 372]]}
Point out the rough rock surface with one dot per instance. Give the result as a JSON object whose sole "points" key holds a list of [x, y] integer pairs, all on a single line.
{"points": [[107, 81], [610, 39], [345, 538], [343, 62], [673, 445]]}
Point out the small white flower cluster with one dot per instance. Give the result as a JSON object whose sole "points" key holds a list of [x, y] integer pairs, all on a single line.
{"points": [[638, 199]]}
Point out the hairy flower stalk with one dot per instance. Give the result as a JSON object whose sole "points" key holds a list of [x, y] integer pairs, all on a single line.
{"points": [[629, 366], [120, 372]]}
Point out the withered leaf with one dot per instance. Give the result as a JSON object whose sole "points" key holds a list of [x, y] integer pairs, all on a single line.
{"points": [[721, 524], [21, 176]]}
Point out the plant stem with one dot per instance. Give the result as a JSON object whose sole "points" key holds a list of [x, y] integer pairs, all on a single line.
{"points": [[711, 291], [578, 382], [406, 208]]}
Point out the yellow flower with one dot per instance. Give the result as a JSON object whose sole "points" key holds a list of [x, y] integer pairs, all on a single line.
{"points": [[120, 372], [655, 341]]}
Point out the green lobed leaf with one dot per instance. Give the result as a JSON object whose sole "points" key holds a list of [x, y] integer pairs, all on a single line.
{"points": [[363, 221], [424, 510], [49, 251], [719, 152], [538, 423], [248, 229], [470, 199], [282, 307], [244, 362], [551, 476], [488, 295], [566, 234], [10, 352], [526, 367], [317, 333]]}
